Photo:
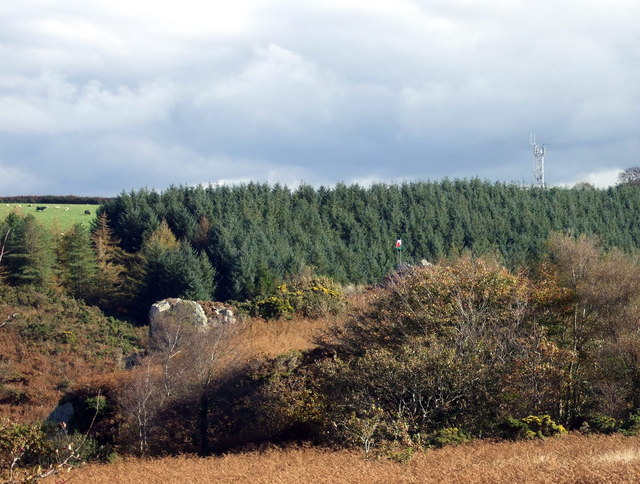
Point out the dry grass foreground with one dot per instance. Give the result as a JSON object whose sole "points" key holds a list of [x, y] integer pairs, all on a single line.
{"points": [[259, 337], [570, 459]]}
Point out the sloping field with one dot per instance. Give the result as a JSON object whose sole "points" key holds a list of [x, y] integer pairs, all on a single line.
{"points": [[58, 217], [570, 459]]}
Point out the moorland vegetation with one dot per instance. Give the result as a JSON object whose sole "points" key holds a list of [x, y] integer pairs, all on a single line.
{"points": [[523, 325]]}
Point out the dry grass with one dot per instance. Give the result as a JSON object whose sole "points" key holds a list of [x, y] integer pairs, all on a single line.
{"points": [[38, 379], [571, 459], [35, 374], [272, 338]]}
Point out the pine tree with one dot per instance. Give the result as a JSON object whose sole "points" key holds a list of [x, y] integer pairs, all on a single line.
{"points": [[78, 263], [32, 257], [174, 269], [195, 274]]}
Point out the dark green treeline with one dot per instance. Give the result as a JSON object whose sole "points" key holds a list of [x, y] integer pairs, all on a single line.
{"points": [[257, 234]]}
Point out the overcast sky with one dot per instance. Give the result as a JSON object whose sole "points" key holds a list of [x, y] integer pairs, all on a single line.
{"points": [[100, 96]]}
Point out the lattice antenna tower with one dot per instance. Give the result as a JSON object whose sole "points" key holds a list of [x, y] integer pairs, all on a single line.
{"points": [[538, 161]]}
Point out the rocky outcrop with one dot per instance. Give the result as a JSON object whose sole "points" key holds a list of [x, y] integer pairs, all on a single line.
{"points": [[175, 309], [199, 314], [219, 313]]}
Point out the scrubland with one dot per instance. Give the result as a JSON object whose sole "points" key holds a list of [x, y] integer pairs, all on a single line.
{"points": [[569, 459], [460, 371]]}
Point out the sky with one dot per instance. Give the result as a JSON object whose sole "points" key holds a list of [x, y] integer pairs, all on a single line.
{"points": [[103, 96]]}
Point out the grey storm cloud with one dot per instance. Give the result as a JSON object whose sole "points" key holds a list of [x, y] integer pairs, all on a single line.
{"points": [[101, 96]]}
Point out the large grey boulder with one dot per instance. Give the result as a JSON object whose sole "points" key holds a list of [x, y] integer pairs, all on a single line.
{"points": [[219, 313], [175, 310]]}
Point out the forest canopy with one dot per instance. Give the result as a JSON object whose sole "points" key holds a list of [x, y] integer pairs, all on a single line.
{"points": [[255, 235]]}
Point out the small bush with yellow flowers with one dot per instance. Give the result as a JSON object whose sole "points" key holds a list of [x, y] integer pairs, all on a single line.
{"points": [[310, 295], [543, 426], [531, 427]]}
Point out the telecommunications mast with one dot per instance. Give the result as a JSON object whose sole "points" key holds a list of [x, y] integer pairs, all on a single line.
{"points": [[538, 162]]}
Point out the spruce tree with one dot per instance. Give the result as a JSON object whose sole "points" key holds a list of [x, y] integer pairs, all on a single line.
{"points": [[32, 257], [174, 269], [78, 265]]}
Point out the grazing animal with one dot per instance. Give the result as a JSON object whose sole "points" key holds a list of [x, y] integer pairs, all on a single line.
{"points": [[57, 207], [40, 209], [66, 209], [87, 212]]}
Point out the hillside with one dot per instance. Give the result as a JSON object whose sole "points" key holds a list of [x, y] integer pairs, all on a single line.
{"points": [[58, 217], [256, 234], [470, 347], [50, 343]]}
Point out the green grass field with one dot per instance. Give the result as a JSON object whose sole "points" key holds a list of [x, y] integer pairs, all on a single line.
{"points": [[58, 217]]}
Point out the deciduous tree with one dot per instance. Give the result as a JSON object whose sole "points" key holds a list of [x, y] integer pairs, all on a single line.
{"points": [[630, 176]]}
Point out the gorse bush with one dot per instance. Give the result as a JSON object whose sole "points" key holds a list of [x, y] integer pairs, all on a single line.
{"points": [[531, 427], [313, 295], [602, 424], [447, 436], [631, 425], [20, 444], [514, 429], [543, 426], [306, 294], [272, 307]]}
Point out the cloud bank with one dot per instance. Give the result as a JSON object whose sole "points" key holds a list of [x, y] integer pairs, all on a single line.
{"points": [[98, 96]]}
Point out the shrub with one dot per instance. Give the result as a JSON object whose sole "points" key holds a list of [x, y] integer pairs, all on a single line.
{"points": [[36, 332], [515, 429], [543, 426], [447, 436], [19, 443], [530, 427], [402, 456], [364, 429], [67, 337], [307, 294], [314, 296], [98, 404], [41, 449], [631, 425], [72, 449], [601, 424], [272, 307]]}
